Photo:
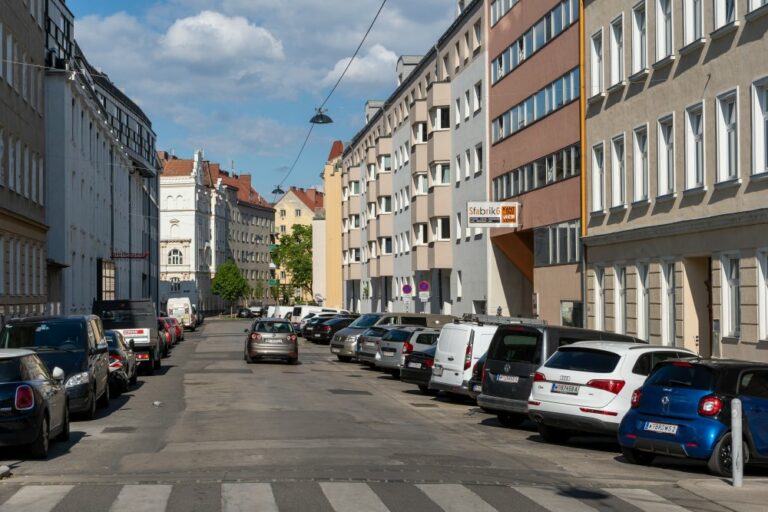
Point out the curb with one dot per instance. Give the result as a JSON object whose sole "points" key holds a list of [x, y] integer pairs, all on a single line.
{"points": [[5, 472]]}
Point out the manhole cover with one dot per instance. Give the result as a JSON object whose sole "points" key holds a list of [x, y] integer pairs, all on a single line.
{"points": [[118, 430], [423, 405], [347, 392]]}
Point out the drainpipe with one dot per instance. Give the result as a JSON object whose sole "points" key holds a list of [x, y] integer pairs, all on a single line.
{"points": [[583, 142]]}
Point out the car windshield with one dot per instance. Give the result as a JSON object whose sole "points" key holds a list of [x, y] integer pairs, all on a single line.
{"points": [[682, 375], [52, 334], [375, 332], [365, 321], [275, 327], [583, 360], [515, 347], [395, 335], [10, 370]]}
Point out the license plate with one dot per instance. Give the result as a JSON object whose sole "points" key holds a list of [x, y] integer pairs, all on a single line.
{"points": [[272, 340], [317, 335], [566, 389], [661, 428], [508, 378], [414, 365], [335, 350], [477, 388], [388, 352], [437, 371]]}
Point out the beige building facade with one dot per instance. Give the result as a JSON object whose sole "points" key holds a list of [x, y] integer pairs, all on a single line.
{"points": [[677, 173], [328, 280]]}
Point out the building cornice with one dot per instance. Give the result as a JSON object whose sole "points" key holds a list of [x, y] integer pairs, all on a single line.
{"points": [[25, 220]]}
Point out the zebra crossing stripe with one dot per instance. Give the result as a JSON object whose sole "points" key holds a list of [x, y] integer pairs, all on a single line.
{"points": [[142, 497], [645, 500], [455, 498], [552, 499], [352, 497], [36, 498], [247, 497]]}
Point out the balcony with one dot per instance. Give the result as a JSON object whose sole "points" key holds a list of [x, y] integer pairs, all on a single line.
{"points": [[438, 95], [440, 255], [385, 223], [373, 230], [439, 147], [385, 184], [373, 267], [353, 271], [440, 201], [418, 111], [372, 195], [383, 146], [355, 173], [370, 155], [386, 265], [355, 208], [420, 258], [355, 239], [419, 160], [420, 209]]}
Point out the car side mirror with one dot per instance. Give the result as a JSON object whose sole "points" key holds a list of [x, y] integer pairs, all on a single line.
{"points": [[58, 374], [245, 330]]}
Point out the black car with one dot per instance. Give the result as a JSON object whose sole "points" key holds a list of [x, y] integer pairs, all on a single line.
{"points": [[417, 369], [33, 403], [123, 372], [77, 345], [323, 331], [244, 313]]}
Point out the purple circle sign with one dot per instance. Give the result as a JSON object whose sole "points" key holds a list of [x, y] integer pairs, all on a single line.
{"points": [[423, 286], [407, 289]]}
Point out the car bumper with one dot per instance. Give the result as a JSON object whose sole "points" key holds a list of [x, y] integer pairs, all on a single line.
{"points": [[497, 403], [415, 376], [347, 350], [79, 398], [695, 439], [20, 429], [390, 363], [321, 337], [463, 389], [266, 350], [475, 386], [582, 422], [367, 357]]}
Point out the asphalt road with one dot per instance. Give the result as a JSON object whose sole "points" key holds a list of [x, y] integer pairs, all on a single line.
{"points": [[321, 435]]}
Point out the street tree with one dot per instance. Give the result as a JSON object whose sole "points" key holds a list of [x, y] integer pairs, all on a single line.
{"points": [[229, 283], [294, 254]]}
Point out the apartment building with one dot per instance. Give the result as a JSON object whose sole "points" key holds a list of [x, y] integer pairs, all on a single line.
{"points": [[23, 228], [677, 168], [406, 177], [535, 159], [326, 232]]}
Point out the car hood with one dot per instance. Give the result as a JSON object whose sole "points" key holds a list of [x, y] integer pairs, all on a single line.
{"points": [[70, 362]]}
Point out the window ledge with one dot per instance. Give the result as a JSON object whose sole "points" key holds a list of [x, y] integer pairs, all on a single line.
{"points": [[639, 75], [666, 61], [618, 208], [724, 30], [757, 13], [641, 202], [597, 213], [617, 86], [734, 182], [666, 197], [693, 46], [596, 97], [695, 191], [759, 176]]}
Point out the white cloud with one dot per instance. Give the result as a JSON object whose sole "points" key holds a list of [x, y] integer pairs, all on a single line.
{"points": [[377, 67]]}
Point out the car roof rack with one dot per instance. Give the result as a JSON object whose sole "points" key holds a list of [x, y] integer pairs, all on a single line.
{"points": [[499, 320]]}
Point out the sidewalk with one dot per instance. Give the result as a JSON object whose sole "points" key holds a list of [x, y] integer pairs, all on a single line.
{"points": [[753, 497]]}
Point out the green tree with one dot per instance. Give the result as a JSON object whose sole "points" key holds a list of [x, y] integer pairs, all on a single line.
{"points": [[229, 283], [294, 254]]}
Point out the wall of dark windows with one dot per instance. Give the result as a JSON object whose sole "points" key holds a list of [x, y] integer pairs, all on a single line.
{"points": [[558, 166]]}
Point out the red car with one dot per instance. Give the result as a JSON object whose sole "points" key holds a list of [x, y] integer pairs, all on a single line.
{"points": [[179, 328], [167, 334]]}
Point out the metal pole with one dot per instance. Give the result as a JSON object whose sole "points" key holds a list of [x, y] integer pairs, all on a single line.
{"points": [[736, 443]]}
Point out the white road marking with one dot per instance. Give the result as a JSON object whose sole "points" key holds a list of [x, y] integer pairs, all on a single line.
{"points": [[551, 499], [149, 498], [352, 497], [247, 497], [455, 498], [645, 500], [36, 498]]}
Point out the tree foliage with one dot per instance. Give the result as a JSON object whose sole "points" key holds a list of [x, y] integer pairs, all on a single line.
{"points": [[229, 284], [294, 254]]}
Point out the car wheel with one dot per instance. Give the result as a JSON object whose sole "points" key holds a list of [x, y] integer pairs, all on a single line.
{"points": [[293, 360], [103, 401], [344, 359], [248, 359], [39, 447], [156, 362], [553, 434], [425, 390], [720, 463], [64, 434], [135, 377], [510, 420], [91, 412]]}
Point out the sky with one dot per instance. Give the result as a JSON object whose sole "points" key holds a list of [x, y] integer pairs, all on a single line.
{"points": [[241, 78]]}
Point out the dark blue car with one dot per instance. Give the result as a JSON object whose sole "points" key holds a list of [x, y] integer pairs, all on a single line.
{"points": [[684, 410]]}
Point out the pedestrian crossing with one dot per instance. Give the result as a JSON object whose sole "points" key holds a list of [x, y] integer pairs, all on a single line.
{"points": [[328, 496]]}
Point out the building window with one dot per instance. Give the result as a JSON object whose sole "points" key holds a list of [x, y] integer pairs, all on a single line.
{"points": [[419, 133], [693, 20], [599, 298], [620, 300], [759, 126], [694, 147], [762, 296], [731, 296], [107, 273], [617, 50], [420, 183], [297, 213], [175, 257], [354, 221], [558, 244], [668, 304], [386, 245], [385, 163], [441, 228], [618, 173], [641, 164], [666, 177], [725, 12], [478, 96], [175, 285], [467, 106], [478, 159], [441, 174], [664, 44], [283, 229], [558, 166], [639, 38], [598, 178], [756, 4], [458, 226], [596, 63], [459, 285], [385, 204], [643, 301], [420, 234], [441, 118], [283, 213], [727, 137], [354, 189]]}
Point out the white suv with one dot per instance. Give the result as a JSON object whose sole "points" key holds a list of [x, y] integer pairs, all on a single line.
{"points": [[587, 386]]}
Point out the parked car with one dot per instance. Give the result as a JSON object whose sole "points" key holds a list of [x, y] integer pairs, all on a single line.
{"points": [[587, 386], [368, 346], [475, 386], [515, 353], [417, 369], [198, 316], [271, 337], [459, 346], [324, 330], [301, 311], [34, 402], [77, 345], [244, 313], [181, 308], [684, 410], [307, 326], [137, 320], [346, 340], [123, 372], [399, 342], [257, 311], [178, 329], [164, 325]]}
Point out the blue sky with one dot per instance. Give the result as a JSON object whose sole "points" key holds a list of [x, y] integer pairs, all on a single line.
{"points": [[241, 78]]}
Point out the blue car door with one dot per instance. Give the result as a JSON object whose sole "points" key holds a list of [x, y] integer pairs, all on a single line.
{"points": [[753, 391]]}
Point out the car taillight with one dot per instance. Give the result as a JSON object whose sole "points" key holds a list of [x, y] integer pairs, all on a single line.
{"points": [[539, 377], [167, 336], [407, 347], [609, 385], [327, 328], [468, 356], [25, 398], [292, 337], [255, 336], [636, 396], [710, 406], [682, 364], [429, 362]]}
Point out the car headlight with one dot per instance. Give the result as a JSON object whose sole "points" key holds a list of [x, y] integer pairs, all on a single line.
{"points": [[352, 339], [77, 379]]}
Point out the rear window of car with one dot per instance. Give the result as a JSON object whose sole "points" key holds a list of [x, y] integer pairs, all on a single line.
{"points": [[365, 321], [583, 360], [516, 347], [10, 370], [337, 321], [276, 327], [395, 335], [682, 375], [56, 334], [414, 320], [427, 338]]}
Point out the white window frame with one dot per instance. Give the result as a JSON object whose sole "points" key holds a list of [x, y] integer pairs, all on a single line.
{"points": [[618, 171], [421, 177], [695, 157], [617, 50], [720, 19], [467, 106], [598, 178], [478, 96], [620, 299], [666, 157], [457, 114], [756, 4], [693, 28], [599, 298], [668, 303], [438, 229], [640, 165], [731, 317], [762, 293], [643, 299], [724, 157], [438, 176], [597, 63], [665, 39], [639, 38], [759, 125]]}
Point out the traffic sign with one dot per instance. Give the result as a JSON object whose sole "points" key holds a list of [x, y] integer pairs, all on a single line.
{"points": [[407, 289], [423, 286]]}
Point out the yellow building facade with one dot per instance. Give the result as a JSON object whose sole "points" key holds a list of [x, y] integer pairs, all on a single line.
{"points": [[333, 227]]}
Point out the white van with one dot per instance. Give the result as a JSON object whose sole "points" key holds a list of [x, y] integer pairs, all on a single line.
{"points": [[458, 349], [181, 309], [278, 311], [299, 311]]}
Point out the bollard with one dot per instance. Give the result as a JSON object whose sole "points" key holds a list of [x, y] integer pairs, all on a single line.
{"points": [[737, 455]]}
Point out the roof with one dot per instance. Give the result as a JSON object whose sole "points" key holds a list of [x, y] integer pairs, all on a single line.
{"points": [[311, 197], [177, 167], [622, 347], [337, 149], [8, 353]]}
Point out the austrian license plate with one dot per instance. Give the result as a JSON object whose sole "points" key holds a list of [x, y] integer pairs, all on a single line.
{"points": [[414, 365], [437, 371], [317, 335], [388, 352], [508, 378], [566, 389], [661, 428], [273, 340], [335, 350], [477, 388]]}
